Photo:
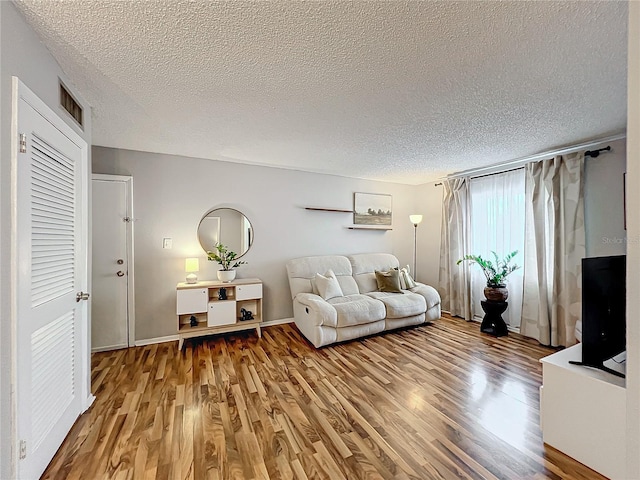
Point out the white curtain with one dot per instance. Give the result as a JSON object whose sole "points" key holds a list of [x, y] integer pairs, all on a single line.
{"points": [[555, 246], [497, 225], [454, 279]]}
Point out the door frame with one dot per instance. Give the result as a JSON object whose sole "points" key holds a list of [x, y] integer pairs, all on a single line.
{"points": [[21, 92], [131, 311]]}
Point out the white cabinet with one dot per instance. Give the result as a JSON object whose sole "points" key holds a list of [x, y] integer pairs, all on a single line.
{"points": [[192, 300], [247, 292], [208, 308], [221, 313], [583, 412]]}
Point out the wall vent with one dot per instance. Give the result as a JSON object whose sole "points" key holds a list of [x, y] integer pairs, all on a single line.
{"points": [[70, 105]]}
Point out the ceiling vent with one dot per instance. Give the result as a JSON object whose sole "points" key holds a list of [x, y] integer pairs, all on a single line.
{"points": [[70, 105]]}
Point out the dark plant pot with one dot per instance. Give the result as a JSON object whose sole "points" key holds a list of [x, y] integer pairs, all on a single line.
{"points": [[496, 294]]}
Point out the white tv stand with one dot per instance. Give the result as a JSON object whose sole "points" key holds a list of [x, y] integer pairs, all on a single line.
{"points": [[583, 412]]}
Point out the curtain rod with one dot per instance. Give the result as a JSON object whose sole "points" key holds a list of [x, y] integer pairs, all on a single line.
{"points": [[596, 153], [489, 174], [550, 153]]}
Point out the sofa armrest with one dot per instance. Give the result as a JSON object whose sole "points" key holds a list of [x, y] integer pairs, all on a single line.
{"points": [[313, 309], [429, 293]]}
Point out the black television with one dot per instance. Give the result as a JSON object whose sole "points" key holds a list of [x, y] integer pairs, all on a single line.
{"points": [[603, 310]]}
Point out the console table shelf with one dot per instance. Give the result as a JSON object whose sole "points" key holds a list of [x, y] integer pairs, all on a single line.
{"points": [[213, 314]]}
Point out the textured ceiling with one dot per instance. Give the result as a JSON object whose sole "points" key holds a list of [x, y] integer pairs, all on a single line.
{"points": [[402, 91]]}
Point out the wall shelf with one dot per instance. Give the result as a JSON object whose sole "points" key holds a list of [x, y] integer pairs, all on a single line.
{"points": [[322, 209], [368, 227]]}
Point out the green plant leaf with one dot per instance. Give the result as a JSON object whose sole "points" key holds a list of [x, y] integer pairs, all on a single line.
{"points": [[224, 257], [495, 274]]}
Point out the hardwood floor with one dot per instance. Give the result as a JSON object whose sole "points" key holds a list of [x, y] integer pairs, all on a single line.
{"points": [[439, 401]]}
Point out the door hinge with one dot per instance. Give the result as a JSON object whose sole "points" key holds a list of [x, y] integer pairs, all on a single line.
{"points": [[23, 449], [23, 143]]}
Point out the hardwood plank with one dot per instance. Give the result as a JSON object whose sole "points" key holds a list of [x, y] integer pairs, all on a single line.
{"points": [[437, 401]]}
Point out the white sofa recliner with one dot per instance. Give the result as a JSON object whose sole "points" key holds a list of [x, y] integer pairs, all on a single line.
{"points": [[362, 310]]}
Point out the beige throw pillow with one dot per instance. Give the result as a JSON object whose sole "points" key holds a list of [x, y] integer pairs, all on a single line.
{"points": [[328, 286], [388, 281]]}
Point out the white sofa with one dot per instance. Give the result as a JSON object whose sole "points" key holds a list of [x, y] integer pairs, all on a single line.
{"points": [[362, 310]]}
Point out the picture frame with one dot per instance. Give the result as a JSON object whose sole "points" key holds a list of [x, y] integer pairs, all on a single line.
{"points": [[372, 209]]}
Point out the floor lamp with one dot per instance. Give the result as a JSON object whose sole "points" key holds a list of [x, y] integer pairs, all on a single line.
{"points": [[415, 219]]}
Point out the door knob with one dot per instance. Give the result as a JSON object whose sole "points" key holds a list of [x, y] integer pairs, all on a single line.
{"points": [[82, 296], [120, 273], [120, 261]]}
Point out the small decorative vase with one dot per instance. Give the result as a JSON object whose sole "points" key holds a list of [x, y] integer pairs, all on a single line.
{"points": [[226, 276], [496, 294]]}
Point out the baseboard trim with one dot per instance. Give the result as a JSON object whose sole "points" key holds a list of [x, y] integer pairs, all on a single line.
{"points": [[88, 402], [109, 348], [280, 321], [151, 341]]}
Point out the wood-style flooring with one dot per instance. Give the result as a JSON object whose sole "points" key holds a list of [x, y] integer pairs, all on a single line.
{"points": [[438, 401]]}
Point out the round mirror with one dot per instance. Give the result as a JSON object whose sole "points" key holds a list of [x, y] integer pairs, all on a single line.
{"points": [[227, 226]]}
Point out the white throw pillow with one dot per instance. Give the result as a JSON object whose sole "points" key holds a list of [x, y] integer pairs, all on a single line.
{"points": [[406, 282], [403, 282], [328, 286]]}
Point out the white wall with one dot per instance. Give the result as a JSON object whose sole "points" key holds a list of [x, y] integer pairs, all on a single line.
{"points": [[633, 246], [171, 194], [24, 55], [429, 204], [604, 202]]}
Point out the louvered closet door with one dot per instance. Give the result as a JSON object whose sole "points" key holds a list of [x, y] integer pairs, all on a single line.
{"points": [[51, 270]]}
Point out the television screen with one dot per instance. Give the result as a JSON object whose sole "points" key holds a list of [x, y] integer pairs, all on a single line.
{"points": [[603, 309]]}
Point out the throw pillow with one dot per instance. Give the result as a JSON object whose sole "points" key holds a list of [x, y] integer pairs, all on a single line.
{"points": [[328, 286], [314, 287], [403, 282], [388, 281], [406, 279]]}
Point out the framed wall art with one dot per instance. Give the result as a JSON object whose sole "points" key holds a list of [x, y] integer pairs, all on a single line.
{"points": [[372, 209]]}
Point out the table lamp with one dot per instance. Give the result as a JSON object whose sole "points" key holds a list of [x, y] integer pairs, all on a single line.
{"points": [[192, 265]]}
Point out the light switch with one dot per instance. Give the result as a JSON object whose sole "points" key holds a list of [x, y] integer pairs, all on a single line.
{"points": [[167, 243]]}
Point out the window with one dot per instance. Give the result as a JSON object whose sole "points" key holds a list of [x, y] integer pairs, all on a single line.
{"points": [[497, 224]]}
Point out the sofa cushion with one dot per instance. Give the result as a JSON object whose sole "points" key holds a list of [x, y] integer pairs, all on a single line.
{"points": [[429, 293], [328, 286], [388, 281], [364, 265], [357, 310], [399, 305], [302, 272]]}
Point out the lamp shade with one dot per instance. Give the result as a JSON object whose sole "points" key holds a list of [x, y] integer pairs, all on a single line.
{"points": [[415, 219], [191, 265]]}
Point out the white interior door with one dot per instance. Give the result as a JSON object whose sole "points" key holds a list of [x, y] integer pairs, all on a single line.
{"points": [[50, 260], [111, 224]]}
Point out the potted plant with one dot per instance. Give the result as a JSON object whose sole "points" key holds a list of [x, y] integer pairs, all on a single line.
{"points": [[496, 290], [227, 260]]}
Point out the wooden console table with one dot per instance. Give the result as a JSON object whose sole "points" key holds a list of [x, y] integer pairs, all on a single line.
{"points": [[202, 303]]}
